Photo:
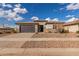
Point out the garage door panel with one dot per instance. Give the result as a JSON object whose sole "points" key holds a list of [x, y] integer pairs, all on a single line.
{"points": [[28, 28]]}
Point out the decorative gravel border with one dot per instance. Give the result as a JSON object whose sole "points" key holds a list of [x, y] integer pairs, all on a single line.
{"points": [[51, 44]]}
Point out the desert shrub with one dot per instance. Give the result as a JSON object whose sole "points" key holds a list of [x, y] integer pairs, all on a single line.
{"points": [[1, 33], [8, 32], [49, 31], [14, 31], [77, 31], [64, 31], [36, 33]]}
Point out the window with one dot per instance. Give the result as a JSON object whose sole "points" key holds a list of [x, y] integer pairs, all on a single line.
{"points": [[49, 26], [54, 26]]}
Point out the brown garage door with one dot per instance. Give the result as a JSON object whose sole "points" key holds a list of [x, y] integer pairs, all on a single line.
{"points": [[28, 28]]}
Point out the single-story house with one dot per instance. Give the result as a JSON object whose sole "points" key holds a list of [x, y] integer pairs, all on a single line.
{"points": [[40, 26], [72, 26]]}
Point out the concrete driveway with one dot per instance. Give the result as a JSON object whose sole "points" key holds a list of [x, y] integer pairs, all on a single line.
{"points": [[19, 35], [40, 35]]}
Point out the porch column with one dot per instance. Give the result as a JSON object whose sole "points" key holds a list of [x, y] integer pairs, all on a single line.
{"points": [[36, 28], [19, 28]]}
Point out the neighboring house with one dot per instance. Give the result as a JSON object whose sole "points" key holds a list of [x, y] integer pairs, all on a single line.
{"points": [[40, 26], [72, 26], [6, 30]]}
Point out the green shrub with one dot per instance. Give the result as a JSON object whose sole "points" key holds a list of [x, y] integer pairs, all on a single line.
{"points": [[77, 31]]}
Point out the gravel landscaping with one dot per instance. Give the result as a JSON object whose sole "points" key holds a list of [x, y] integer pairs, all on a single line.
{"points": [[42, 44], [40, 35], [55, 35]]}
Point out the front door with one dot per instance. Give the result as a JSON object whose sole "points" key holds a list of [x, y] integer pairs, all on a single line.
{"points": [[40, 29]]}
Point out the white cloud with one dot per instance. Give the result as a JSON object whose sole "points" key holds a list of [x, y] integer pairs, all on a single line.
{"points": [[6, 5], [20, 10], [12, 14], [55, 19], [2, 12], [35, 18], [18, 18], [69, 16], [48, 19], [8, 14], [8, 11], [72, 6], [72, 19], [18, 5], [61, 8]]}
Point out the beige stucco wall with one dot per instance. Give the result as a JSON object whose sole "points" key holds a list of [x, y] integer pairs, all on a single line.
{"points": [[72, 28], [66, 27], [48, 28], [54, 27], [41, 23]]}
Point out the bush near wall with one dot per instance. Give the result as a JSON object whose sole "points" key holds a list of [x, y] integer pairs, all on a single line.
{"points": [[77, 31], [64, 31]]}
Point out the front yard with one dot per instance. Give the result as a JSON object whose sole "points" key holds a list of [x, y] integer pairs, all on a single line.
{"points": [[55, 35], [39, 46], [40, 35]]}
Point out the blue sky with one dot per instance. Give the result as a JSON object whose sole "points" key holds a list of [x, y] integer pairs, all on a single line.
{"points": [[26, 12]]}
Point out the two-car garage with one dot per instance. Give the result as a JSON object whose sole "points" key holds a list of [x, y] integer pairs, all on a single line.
{"points": [[27, 27]]}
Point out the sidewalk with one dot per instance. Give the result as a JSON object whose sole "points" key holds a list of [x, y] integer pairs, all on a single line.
{"points": [[39, 52]]}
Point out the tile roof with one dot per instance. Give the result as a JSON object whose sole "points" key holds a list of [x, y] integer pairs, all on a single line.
{"points": [[26, 23], [40, 20], [71, 23], [54, 22]]}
